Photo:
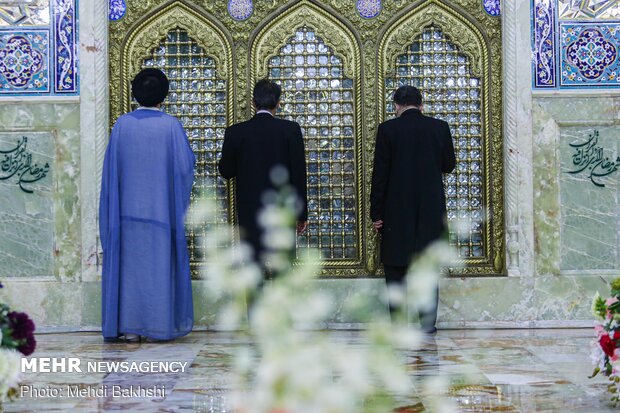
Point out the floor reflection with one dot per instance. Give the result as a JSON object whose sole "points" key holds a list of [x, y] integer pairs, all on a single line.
{"points": [[481, 371]]}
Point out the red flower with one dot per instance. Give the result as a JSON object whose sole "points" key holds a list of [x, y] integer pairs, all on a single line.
{"points": [[607, 344], [28, 346], [21, 325]]}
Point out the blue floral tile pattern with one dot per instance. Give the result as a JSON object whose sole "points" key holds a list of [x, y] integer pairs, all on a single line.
{"points": [[240, 9], [24, 61], [368, 9], [117, 8], [38, 47], [492, 7], [544, 44], [65, 39], [590, 54]]}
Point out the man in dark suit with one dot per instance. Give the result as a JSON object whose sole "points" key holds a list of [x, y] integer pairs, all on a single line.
{"points": [[251, 151], [407, 199]]}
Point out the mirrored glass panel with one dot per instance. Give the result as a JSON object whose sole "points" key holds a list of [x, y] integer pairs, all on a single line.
{"points": [[318, 96], [434, 64], [197, 97]]}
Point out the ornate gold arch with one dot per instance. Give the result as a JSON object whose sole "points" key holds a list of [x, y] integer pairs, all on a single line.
{"points": [[471, 41], [267, 42], [146, 35], [270, 38], [461, 32]]}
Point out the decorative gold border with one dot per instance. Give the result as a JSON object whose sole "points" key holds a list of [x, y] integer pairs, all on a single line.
{"points": [[362, 40], [266, 43], [471, 41]]}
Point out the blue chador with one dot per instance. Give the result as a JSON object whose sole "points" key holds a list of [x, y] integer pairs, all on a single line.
{"points": [[147, 179]]}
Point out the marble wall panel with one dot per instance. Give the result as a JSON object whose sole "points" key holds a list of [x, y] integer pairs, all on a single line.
{"points": [[589, 183], [546, 193], [576, 221], [53, 137], [493, 302], [26, 195]]}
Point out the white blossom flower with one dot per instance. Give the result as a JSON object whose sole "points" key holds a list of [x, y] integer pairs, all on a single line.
{"points": [[279, 239], [10, 364], [396, 294], [597, 355], [301, 371]]}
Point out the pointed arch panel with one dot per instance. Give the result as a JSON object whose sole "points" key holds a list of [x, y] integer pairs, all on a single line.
{"points": [[444, 53], [316, 59]]}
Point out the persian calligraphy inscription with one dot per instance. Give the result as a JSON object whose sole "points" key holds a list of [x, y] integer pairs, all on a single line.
{"points": [[592, 159], [27, 218], [17, 162]]}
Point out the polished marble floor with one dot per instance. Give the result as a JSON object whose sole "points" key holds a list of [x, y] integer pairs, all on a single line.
{"points": [[487, 370]]}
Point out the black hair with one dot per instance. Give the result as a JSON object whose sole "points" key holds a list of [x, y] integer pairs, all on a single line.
{"points": [[408, 96], [266, 94]]}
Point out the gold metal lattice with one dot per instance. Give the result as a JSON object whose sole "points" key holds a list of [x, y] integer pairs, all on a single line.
{"points": [[318, 96], [197, 98], [451, 93]]}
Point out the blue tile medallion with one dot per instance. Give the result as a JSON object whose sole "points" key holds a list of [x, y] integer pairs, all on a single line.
{"points": [[117, 8], [240, 9], [368, 9], [492, 7], [590, 54], [24, 61]]}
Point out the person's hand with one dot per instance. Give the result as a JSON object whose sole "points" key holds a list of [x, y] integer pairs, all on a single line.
{"points": [[378, 225], [301, 227]]}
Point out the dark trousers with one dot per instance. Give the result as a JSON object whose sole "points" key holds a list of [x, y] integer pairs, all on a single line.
{"points": [[395, 276]]}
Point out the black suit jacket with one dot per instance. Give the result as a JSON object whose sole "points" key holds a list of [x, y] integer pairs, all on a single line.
{"points": [[250, 151], [412, 152]]}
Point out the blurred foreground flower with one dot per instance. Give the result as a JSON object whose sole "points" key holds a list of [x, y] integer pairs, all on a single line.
{"points": [[16, 336], [295, 367], [10, 361], [605, 348]]}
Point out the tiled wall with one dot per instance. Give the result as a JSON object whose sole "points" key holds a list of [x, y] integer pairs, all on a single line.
{"points": [[38, 47], [575, 44]]}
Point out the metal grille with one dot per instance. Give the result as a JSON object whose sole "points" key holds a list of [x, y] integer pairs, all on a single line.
{"points": [[197, 97], [317, 95], [451, 93]]}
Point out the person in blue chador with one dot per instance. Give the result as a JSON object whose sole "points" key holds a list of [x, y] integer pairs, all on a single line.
{"points": [[147, 179]]}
